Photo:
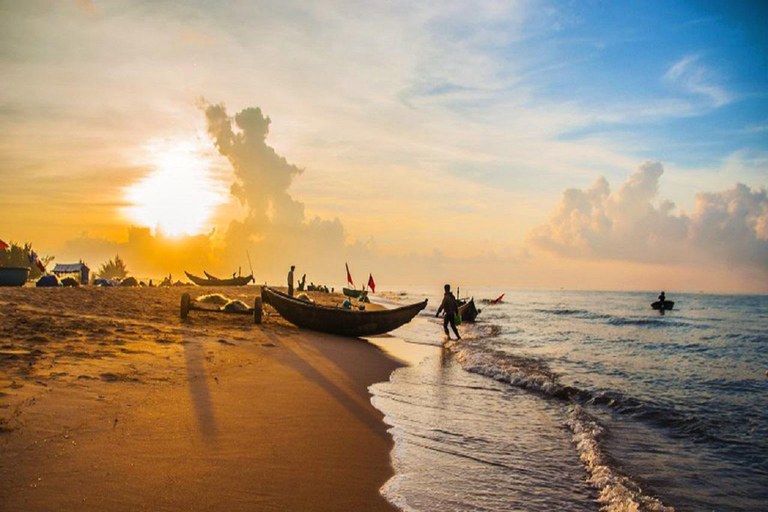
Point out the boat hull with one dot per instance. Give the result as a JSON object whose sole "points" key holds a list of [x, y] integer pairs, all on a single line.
{"points": [[237, 281], [342, 321], [469, 311], [356, 294], [14, 276], [668, 304]]}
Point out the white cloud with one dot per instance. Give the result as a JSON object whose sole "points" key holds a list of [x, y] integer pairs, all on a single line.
{"points": [[693, 77], [728, 227]]}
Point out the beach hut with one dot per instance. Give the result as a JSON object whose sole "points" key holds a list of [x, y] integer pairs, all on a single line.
{"points": [[80, 269]]}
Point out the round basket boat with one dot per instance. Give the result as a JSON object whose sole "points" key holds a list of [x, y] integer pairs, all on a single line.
{"points": [[13, 276]]}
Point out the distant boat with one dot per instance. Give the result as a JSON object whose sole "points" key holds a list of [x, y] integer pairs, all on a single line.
{"points": [[336, 320], [236, 281], [469, 311], [14, 276], [668, 304], [356, 294]]}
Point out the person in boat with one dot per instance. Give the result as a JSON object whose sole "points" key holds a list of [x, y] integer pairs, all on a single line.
{"points": [[662, 297], [451, 307], [290, 280]]}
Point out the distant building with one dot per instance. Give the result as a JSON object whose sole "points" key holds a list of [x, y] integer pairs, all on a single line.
{"points": [[80, 269]]}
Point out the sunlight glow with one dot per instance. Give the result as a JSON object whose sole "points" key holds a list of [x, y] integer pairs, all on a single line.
{"points": [[179, 196]]}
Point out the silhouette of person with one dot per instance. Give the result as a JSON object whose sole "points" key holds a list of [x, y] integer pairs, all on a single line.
{"points": [[451, 306], [662, 297], [290, 280]]}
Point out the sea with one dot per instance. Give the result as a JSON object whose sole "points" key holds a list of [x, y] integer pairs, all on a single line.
{"points": [[582, 401]]}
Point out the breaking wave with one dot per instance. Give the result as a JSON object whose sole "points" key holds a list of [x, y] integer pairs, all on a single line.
{"points": [[617, 492]]}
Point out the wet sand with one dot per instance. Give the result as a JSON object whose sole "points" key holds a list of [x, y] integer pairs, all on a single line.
{"points": [[109, 401]]}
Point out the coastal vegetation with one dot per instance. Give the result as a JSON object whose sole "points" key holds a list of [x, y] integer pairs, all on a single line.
{"points": [[113, 269]]}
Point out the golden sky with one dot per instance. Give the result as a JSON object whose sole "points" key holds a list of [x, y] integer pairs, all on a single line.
{"points": [[472, 143]]}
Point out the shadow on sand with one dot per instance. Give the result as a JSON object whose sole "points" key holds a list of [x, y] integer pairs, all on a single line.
{"points": [[194, 354], [333, 376]]}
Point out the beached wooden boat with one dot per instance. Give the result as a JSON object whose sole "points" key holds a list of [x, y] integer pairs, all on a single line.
{"points": [[468, 311], [668, 304], [337, 320], [351, 292], [13, 276], [237, 281], [356, 294]]}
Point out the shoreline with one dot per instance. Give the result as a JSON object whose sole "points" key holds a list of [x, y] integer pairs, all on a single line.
{"points": [[108, 401]]}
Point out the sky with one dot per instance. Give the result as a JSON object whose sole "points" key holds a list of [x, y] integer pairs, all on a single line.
{"points": [[576, 145]]}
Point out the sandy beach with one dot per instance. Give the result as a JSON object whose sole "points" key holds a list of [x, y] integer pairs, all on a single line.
{"points": [[109, 401]]}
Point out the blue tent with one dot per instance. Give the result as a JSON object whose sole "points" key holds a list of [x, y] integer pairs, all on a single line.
{"points": [[46, 281]]}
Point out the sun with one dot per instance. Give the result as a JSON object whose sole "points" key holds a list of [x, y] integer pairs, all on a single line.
{"points": [[179, 196]]}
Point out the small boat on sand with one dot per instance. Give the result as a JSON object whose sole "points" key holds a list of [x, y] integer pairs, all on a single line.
{"points": [[351, 292], [361, 295], [469, 311], [336, 320], [667, 304], [13, 276], [236, 281]]}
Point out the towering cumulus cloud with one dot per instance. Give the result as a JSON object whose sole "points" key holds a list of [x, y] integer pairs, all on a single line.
{"points": [[275, 227], [728, 227], [263, 176]]}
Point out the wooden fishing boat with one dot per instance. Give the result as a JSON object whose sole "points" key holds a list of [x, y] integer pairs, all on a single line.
{"points": [[668, 304], [351, 292], [468, 311], [237, 281], [356, 294], [13, 276], [336, 320]]}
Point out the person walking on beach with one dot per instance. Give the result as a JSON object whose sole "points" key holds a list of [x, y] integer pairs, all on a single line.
{"points": [[290, 280], [451, 307]]}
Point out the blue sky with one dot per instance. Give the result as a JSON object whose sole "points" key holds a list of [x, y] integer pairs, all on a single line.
{"points": [[621, 53]]}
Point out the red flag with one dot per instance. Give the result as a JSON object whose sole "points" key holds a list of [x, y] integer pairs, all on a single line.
{"points": [[349, 276], [4, 246], [371, 283]]}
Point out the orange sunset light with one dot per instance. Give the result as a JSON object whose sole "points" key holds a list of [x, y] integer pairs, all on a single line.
{"points": [[179, 195]]}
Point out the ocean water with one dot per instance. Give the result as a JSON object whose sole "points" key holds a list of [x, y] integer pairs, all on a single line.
{"points": [[558, 400]]}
